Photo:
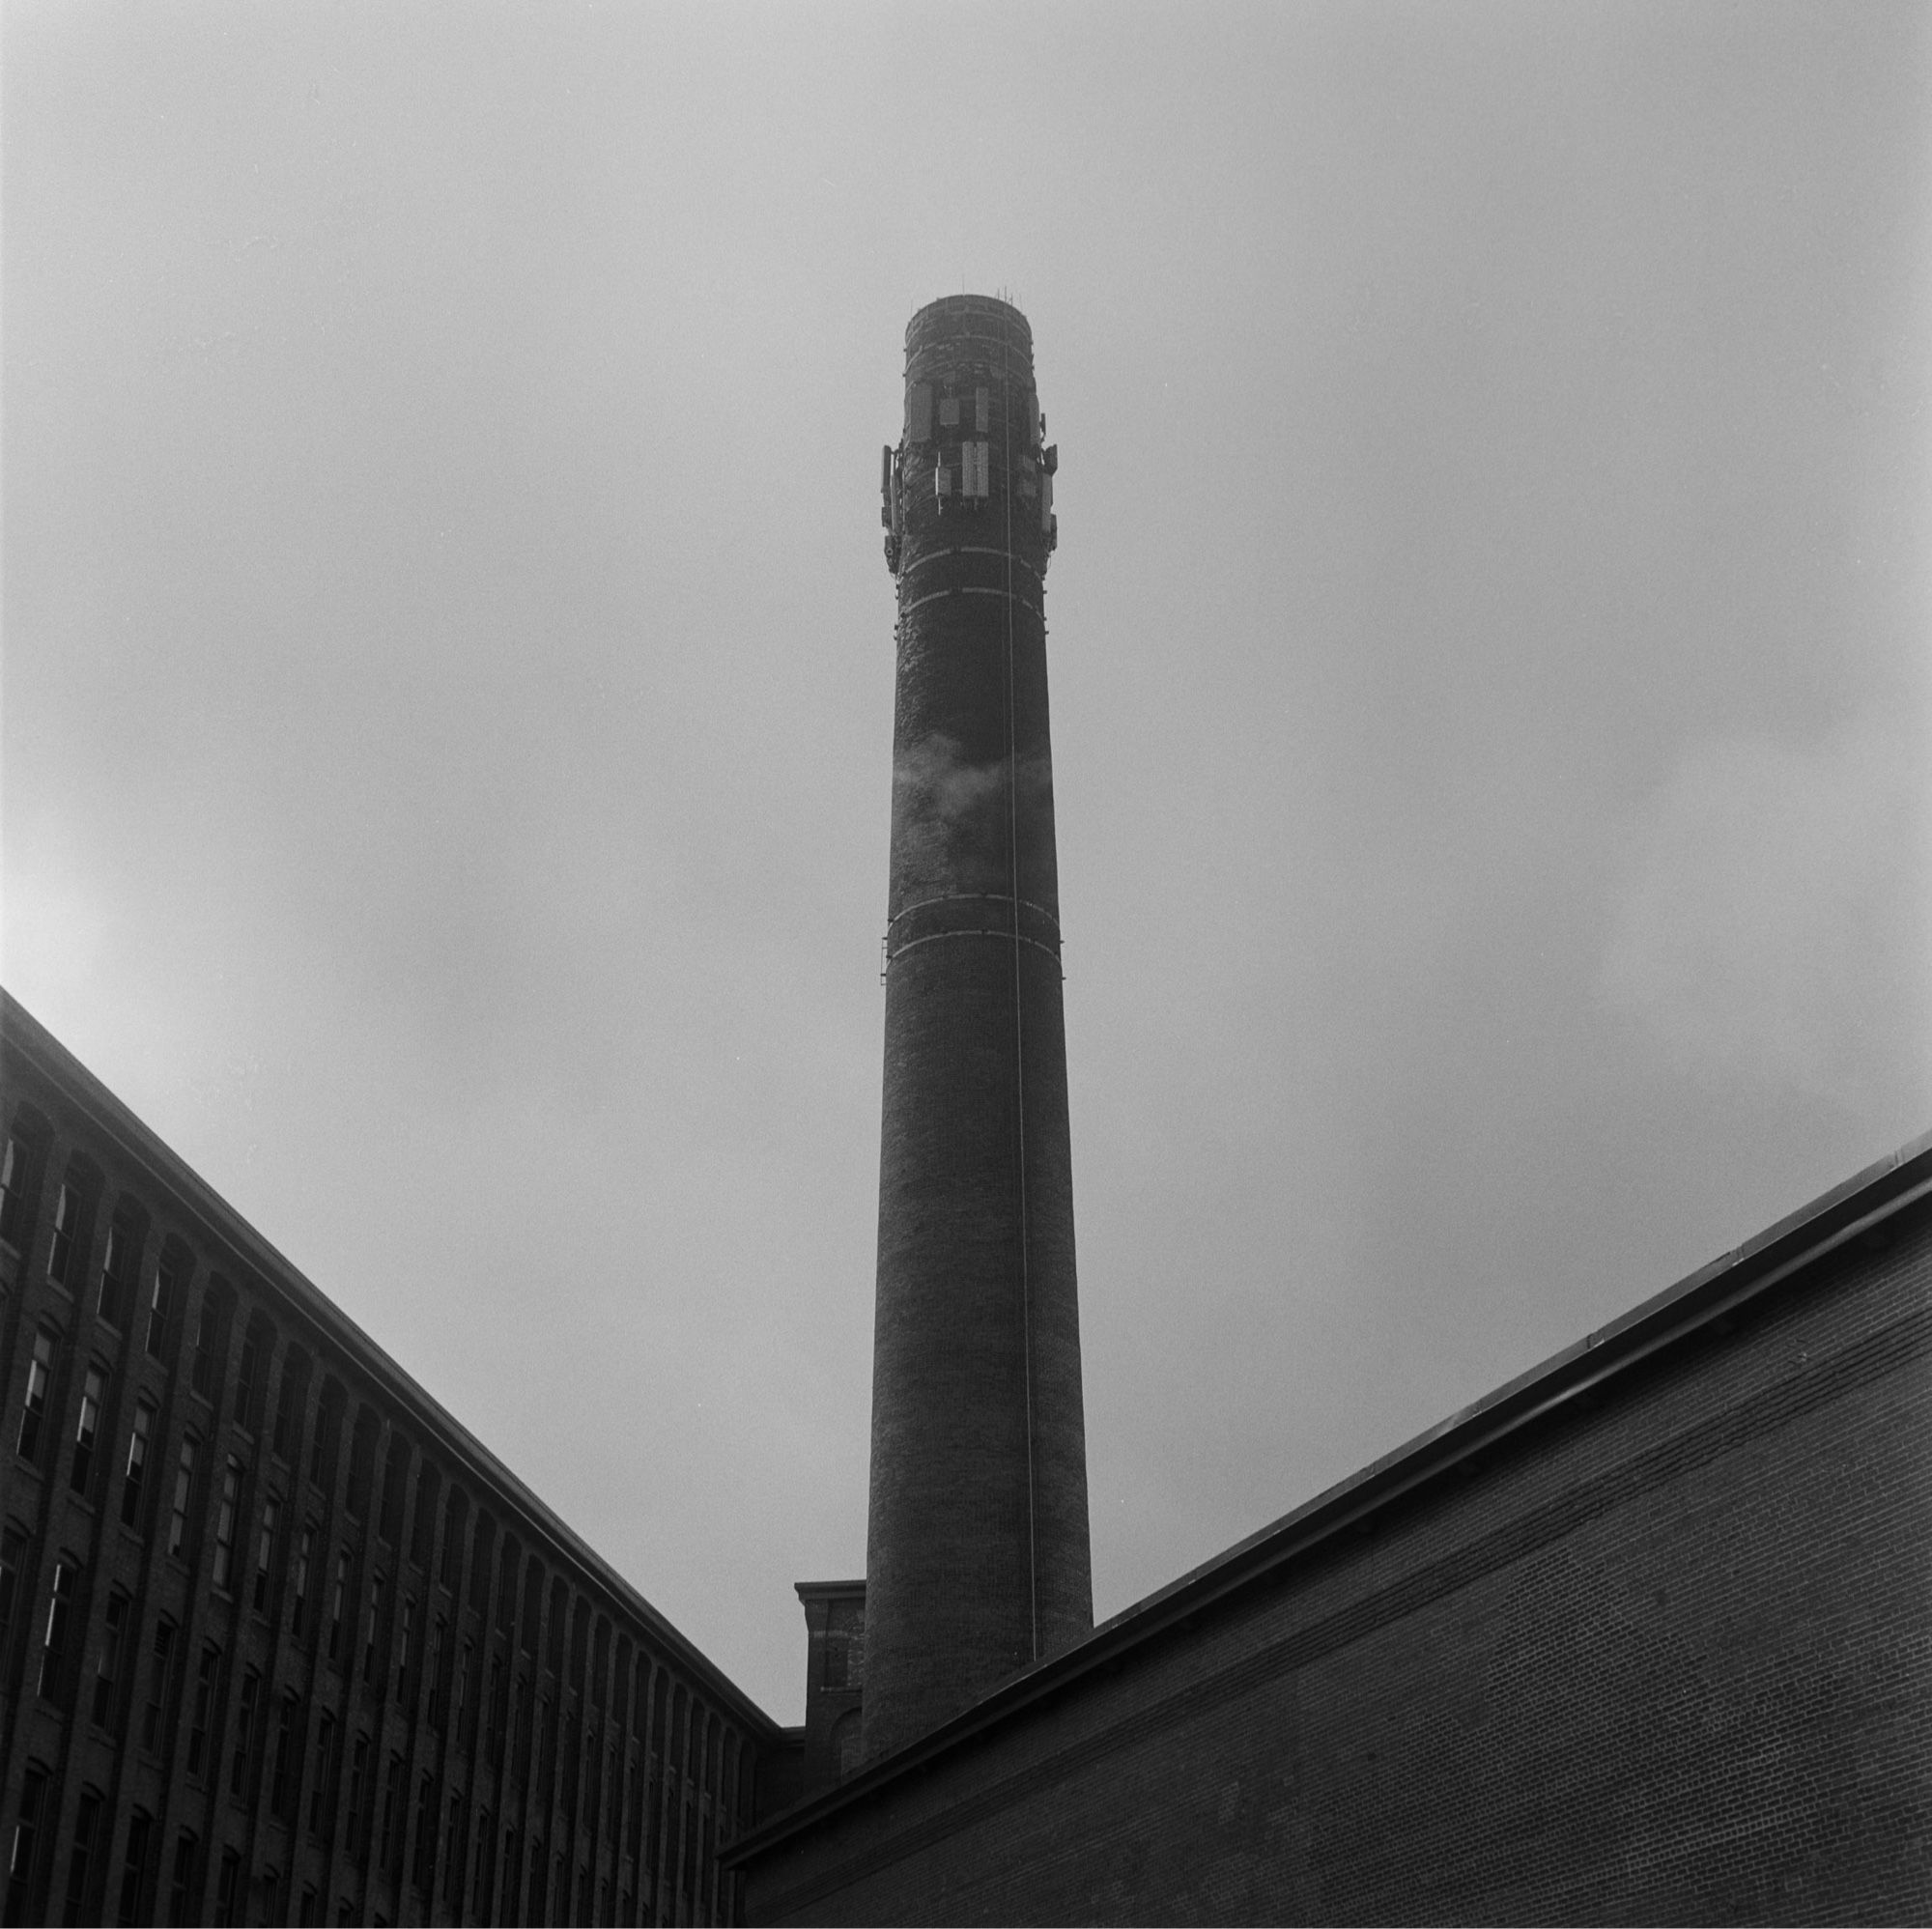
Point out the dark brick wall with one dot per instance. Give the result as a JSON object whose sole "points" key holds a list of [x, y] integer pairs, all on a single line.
{"points": [[1659, 1655], [834, 1681], [977, 1549], [538, 1743]]}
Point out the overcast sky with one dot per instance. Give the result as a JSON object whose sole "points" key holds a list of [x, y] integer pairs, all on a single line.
{"points": [[448, 681]]}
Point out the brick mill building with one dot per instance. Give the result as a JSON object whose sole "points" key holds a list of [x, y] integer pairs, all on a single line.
{"points": [[1643, 1635], [279, 1640]]}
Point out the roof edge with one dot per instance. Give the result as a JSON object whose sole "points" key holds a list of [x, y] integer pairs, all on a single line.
{"points": [[20, 1030], [1870, 1196]]}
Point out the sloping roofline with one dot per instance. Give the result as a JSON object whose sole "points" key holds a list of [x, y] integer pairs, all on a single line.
{"points": [[1712, 1294], [21, 1032]]}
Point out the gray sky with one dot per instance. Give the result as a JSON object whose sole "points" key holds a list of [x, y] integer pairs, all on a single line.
{"points": [[448, 689]]}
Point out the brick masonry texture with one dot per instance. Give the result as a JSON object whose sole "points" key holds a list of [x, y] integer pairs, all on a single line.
{"points": [[1659, 1656], [486, 1724], [977, 1554]]}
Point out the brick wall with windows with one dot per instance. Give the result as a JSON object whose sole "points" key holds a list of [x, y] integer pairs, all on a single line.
{"points": [[1645, 1637], [241, 1552]]}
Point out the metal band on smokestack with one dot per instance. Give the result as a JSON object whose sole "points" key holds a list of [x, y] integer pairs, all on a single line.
{"points": [[977, 1559]]}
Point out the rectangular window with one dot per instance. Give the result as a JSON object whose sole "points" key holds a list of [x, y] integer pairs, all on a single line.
{"points": [[207, 1340], [13, 1550], [425, 1862], [161, 1686], [162, 1303], [321, 1447], [452, 1542], [405, 1650], [436, 1634], [134, 1869], [982, 410], [288, 1762], [948, 412], [183, 1498], [66, 1233], [227, 1890], [12, 1189], [391, 1795], [304, 1552], [337, 1602], [325, 1771], [265, 1553], [106, 1707], [370, 1675], [458, 1722], [247, 1704], [422, 1527], [117, 1274], [358, 1778], [485, 1876], [533, 1902], [244, 1382], [53, 1642], [181, 1890], [452, 1856], [33, 1412], [288, 1410], [389, 1503], [80, 1857], [224, 1523], [202, 1713], [23, 1860], [87, 1426], [137, 1464]]}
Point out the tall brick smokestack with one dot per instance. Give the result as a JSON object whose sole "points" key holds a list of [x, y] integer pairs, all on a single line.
{"points": [[977, 1557]]}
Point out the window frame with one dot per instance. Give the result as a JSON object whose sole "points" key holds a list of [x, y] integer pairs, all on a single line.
{"points": [[43, 1363], [92, 1404]]}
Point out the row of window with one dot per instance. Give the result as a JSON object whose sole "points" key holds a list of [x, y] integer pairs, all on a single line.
{"points": [[84, 1895], [544, 1896], [133, 1486], [609, 1797], [70, 1418]]}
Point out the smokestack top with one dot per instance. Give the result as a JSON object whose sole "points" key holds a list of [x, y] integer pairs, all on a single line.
{"points": [[953, 316]]}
